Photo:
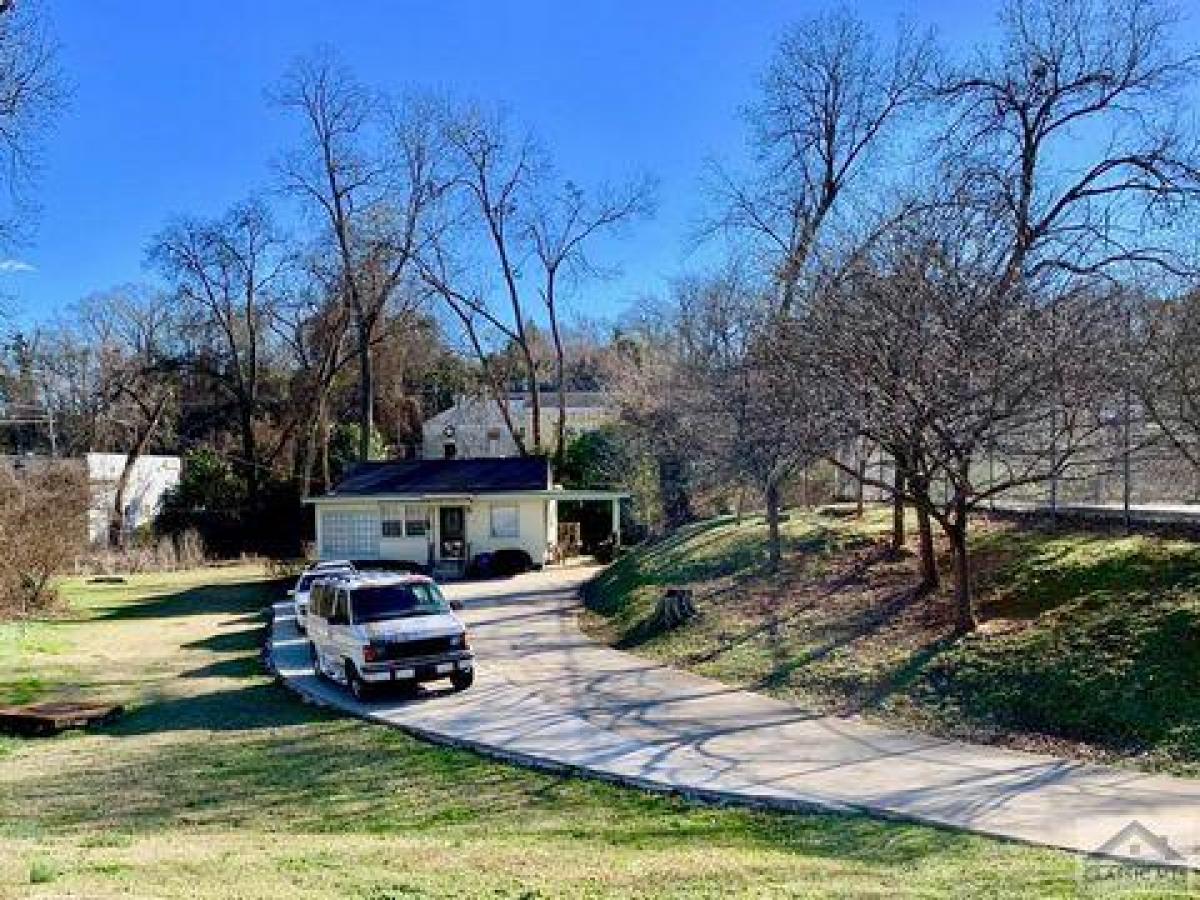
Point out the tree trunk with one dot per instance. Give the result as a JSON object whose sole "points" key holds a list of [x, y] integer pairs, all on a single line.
{"points": [[929, 571], [774, 550], [312, 440], [326, 471], [898, 512], [672, 484], [535, 410], [860, 470], [250, 452], [366, 398], [116, 519], [956, 531], [560, 375]]}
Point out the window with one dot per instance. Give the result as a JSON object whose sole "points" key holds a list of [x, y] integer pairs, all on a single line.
{"points": [[397, 601], [341, 608], [505, 522], [398, 520], [349, 535], [416, 521], [450, 450], [391, 520]]}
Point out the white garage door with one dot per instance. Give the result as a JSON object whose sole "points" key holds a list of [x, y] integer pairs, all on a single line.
{"points": [[349, 535]]}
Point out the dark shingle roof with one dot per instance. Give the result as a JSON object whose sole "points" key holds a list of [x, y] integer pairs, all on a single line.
{"points": [[446, 476]]}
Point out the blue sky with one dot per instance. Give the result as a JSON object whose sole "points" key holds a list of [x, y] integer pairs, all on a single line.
{"points": [[168, 113]]}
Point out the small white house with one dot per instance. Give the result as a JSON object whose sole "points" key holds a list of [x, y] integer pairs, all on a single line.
{"points": [[150, 479], [442, 513], [474, 427]]}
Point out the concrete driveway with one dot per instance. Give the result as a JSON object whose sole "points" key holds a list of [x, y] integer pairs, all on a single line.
{"points": [[547, 695]]}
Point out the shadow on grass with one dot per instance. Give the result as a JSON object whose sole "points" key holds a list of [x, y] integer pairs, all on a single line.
{"points": [[228, 641], [264, 705], [238, 667], [261, 759], [1032, 572], [1120, 671], [868, 622], [235, 598]]}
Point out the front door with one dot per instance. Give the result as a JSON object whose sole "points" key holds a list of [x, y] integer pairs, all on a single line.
{"points": [[452, 532]]}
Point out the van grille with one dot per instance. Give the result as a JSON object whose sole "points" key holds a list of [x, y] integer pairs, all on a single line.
{"points": [[420, 647]]}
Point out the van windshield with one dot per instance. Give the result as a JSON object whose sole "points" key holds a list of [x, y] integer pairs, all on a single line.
{"points": [[397, 601]]}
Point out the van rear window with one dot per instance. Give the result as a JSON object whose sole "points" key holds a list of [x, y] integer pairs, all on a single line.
{"points": [[397, 601]]}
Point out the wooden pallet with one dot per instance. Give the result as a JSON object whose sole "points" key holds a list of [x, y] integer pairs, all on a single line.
{"points": [[51, 718]]}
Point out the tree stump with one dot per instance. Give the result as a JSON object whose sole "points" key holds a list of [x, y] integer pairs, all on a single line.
{"points": [[674, 608]]}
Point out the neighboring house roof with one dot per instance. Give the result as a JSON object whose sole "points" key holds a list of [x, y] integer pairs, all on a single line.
{"points": [[446, 476]]}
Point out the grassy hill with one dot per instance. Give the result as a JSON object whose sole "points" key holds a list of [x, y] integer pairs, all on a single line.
{"points": [[219, 784], [1090, 643]]}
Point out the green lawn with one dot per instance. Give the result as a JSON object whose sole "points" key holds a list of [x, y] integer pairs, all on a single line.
{"points": [[219, 784], [1090, 643]]}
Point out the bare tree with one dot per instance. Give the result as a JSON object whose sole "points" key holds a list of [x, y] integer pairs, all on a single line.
{"points": [[371, 172], [43, 508], [560, 230], [948, 359], [227, 275], [1166, 370], [1071, 131], [313, 324], [650, 384], [31, 95], [133, 332], [508, 203], [759, 417], [831, 99]]}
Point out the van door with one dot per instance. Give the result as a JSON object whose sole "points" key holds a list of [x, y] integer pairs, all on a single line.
{"points": [[340, 624]]}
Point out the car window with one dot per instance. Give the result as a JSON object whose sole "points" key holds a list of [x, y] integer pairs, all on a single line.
{"points": [[397, 601]]}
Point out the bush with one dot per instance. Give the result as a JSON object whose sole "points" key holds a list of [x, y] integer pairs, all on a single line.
{"points": [[212, 500], [511, 561], [43, 518], [501, 564], [149, 553]]}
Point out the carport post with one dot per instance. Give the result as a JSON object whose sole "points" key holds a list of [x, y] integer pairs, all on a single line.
{"points": [[616, 521]]}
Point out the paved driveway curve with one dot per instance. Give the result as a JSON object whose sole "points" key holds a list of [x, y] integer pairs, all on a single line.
{"points": [[545, 694]]}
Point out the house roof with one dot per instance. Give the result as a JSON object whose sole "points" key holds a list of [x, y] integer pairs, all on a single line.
{"points": [[446, 476]]}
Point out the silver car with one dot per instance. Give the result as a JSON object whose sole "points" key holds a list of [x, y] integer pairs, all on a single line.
{"points": [[301, 592]]}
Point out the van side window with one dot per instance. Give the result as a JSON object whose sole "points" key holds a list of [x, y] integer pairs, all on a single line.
{"points": [[316, 600], [341, 609]]}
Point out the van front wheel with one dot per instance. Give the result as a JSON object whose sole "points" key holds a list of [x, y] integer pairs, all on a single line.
{"points": [[460, 681]]}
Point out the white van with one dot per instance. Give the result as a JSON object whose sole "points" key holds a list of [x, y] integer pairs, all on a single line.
{"points": [[371, 629]]}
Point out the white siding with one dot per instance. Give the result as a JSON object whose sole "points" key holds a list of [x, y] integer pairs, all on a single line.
{"points": [[151, 478], [478, 430], [353, 531], [531, 514]]}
